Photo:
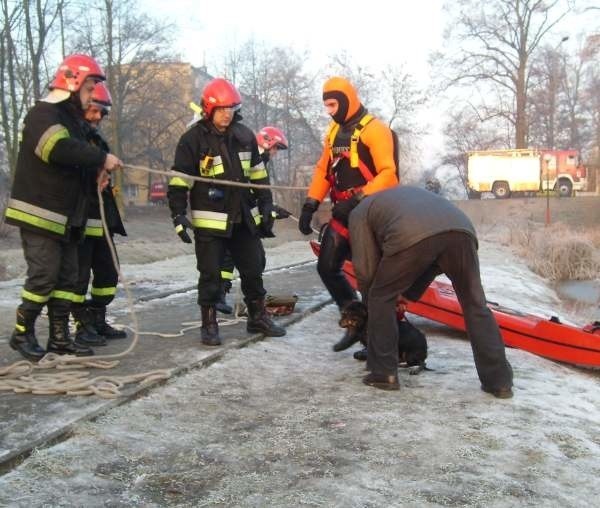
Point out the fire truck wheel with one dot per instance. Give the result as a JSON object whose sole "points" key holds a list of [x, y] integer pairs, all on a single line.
{"points": [[501, 190], [565, 188]]}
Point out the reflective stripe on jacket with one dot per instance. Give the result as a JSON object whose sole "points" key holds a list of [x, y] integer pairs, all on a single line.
{"points": [[55, 163], [114, 222], [231, 156]]}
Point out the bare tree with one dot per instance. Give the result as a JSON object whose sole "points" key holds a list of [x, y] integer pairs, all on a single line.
{"points": [[277, 91], [406, 100], [129, 44], [591, 98], [560, 112], [156, 111], [14, 98], [575, 118], [25, 37], [464, 133], [490, 45], [365, 80], [547, 80], [40, 17]]}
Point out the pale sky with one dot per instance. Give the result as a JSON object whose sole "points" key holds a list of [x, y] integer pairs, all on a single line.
{"points": [[375, 32]]}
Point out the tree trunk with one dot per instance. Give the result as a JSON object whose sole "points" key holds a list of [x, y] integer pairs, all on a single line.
{"points": [[521, 110]]}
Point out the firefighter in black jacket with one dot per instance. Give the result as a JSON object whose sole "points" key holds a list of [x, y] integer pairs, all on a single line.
{"points": [[270, 140], [48, 203], [223, 217], [94, 251]]}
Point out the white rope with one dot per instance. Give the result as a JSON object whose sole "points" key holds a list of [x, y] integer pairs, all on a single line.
{"points": [[214, 181], [22, 376], [20, 379]]}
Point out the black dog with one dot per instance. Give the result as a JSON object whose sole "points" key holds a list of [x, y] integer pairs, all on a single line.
{"points": [[412, 346], [412, 343]]}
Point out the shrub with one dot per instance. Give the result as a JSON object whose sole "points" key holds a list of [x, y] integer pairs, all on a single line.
{"points": [[558, 252]]}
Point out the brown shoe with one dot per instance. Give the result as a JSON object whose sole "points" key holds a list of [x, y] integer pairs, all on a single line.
{"points": [[381, 381], [499, 393]]}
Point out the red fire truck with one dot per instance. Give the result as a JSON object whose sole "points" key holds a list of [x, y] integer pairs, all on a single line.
{"points": [[525, 172]]}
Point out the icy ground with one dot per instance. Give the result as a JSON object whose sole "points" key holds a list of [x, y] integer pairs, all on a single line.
{"points": [[287, 422]]}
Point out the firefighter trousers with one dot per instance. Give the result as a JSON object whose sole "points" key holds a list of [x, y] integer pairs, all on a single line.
{"points": [[95, 260], [51, 273], [228, 266], [247, 253]]}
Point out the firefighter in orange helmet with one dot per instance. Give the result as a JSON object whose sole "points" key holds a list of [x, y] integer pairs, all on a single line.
{"points": [[48, 200], [360, 157], [224, 218]]}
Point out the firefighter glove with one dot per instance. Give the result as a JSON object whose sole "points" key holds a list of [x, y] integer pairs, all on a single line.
{"points": [[181, 223], [308, 209], [266, 224], [341, 210], [280, 213]]}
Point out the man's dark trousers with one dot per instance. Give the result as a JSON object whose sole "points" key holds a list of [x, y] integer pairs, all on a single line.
{"points": [[409, 273]]}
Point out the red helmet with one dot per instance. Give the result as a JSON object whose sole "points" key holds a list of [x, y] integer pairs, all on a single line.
{"points": [[74, 70], [219, 93], [101, 97], [269, 137]]}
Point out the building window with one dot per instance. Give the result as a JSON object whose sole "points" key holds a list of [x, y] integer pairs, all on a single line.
{"points": [[131, 190]]}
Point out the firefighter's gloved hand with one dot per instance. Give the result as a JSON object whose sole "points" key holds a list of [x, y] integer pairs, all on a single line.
{"points": [[181, 223], [267, 220], [280, 213], [308, 209], [341, 210]]}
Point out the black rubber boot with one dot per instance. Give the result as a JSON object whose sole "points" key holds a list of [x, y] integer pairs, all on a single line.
{"points": [[60, 341], [23, 339], [222, 306], [209, 332], [260, 322], [102, 327], [86, 334]]}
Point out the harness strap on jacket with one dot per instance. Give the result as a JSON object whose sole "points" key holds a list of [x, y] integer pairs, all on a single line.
{"points": [[353, 155], [362, 167], [339, 228]]}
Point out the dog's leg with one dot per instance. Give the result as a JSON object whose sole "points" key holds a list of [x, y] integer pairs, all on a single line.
{"points": [[415, 370]]}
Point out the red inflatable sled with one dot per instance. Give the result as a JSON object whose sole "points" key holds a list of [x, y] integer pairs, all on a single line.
{"points": [[544, 337]]}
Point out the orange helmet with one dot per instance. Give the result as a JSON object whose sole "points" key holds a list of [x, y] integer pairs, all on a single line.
{"points": [[344, 92], [269, 137], [220, 93], [101, 97], [74, 70]]}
